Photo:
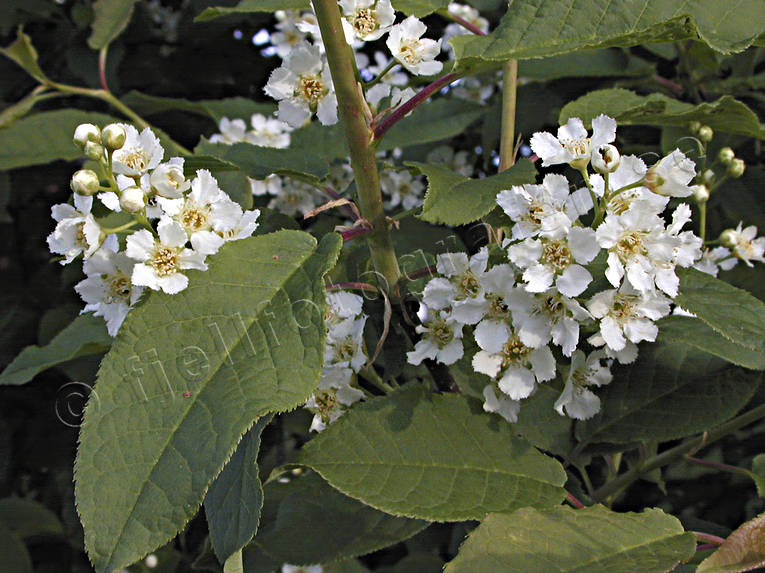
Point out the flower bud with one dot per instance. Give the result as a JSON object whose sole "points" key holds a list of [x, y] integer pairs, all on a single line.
{"points": [[85, 182], [708, 176], [726, 155], [701, 193], [132, 199], [606, 158], [86, 132], [94, 151], [694, 126], [706, 133], [729, 238], [113, 136], [736, 168]]}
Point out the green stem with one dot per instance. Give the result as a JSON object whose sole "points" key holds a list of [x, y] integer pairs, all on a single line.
{"points": [[703, 220], [509, 101], [354, 115], [595, 202], [688, 446], [718, 466], [381, 75], [121, 228]]}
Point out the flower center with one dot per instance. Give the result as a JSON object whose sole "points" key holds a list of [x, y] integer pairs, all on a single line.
{"points": [[441, 332], [135, 158], [536, 212], [468, 286], [514, 352], [326, 403], [118, 287], [577, 147], [497, 306], [345, 349], [79, 236], [410, 52], [653, 180], [623, 307], [364, 21], [630, 244], [311, 89], [556, 254], [165, 261], [194, 218]]}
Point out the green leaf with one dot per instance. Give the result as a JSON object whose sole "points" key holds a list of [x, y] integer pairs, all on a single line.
{"points": [[110, 18], [306, 521], [593, 539], [758, 473], [743, 550], [234, 500], [587, 63], [693, 332], [86, 335], [235, 107], [419, 8], [252, 7], [24, 54], [672, 391], [539, 28], [185, 379], [453, 199], [439, 458], [45, 137], [628, 108], [13, 553], [540, 423], [440, 119], [22, 107], [731, 311], [26, 518]]}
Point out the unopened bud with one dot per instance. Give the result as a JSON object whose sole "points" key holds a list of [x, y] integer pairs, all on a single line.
{"points": [[736, 168], [113, 136], [726, 155], [86, 132], [701, 193], [94, 151], [706, 133], [151, 561], [728, 238], [606, 158], [694, 126], [132, 199], [708, 176], [85, 182]]}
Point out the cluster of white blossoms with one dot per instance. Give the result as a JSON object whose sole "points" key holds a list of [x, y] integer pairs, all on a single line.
{"points": [[265, 132], [344, 356], [181, 221], [302, 85], [540, 299]]}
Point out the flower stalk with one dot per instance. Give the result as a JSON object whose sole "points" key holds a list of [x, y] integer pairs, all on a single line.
{"points": [[509, 103], [360, 137]]}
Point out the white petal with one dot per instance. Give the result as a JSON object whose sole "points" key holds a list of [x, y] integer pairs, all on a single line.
{"points": [[518, 383], [573, 280]]}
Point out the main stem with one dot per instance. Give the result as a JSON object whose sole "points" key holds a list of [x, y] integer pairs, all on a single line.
{"points": [[359, 136], [509, 101]]}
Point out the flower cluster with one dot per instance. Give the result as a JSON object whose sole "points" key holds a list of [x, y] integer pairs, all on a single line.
{"points": [[182, 221], [265, 132], [344, 356], [539, 304]]}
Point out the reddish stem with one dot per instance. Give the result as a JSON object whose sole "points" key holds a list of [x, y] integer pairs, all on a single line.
{"points": [[414, 275], [467, 25], [352, 286], [709, 538], [412, 103], [669, 84], [573, 501], [355, 232], [102, 69]]}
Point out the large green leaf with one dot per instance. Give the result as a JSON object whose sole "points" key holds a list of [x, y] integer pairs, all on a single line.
{"points": [[24, 54], [440, 119], [731, 311], [628, 108], [539, 28], [187, 376], [306, 521], [27, 518], [562, 539], [251, 7], [672, 391], [586, 63], [233, 502], [234, 107], [419, 8], [86, 335], [110, 18], [693, 332], [453, 199], [743, 550], [436, 457]]}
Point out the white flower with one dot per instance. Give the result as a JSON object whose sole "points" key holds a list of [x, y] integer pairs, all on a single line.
{"points": [[168, 179], [370, 19], [77, 231], [206, 214], [467, 13], [289, 35], [162, 260], [671, 175], [558, 260], [268, 132], [333, 396], [107, 290], [473, 89], [501, 404], [544, 210], [743, 243], [342, 305], [627, 315], [713, 260], [572, 145], [303, 86], [231, 131], [416, 54], [293, 198], [576, 399], [461, 289], [516, 367], [441, 340], [139, 154], [403, 188], [345, 344]]}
